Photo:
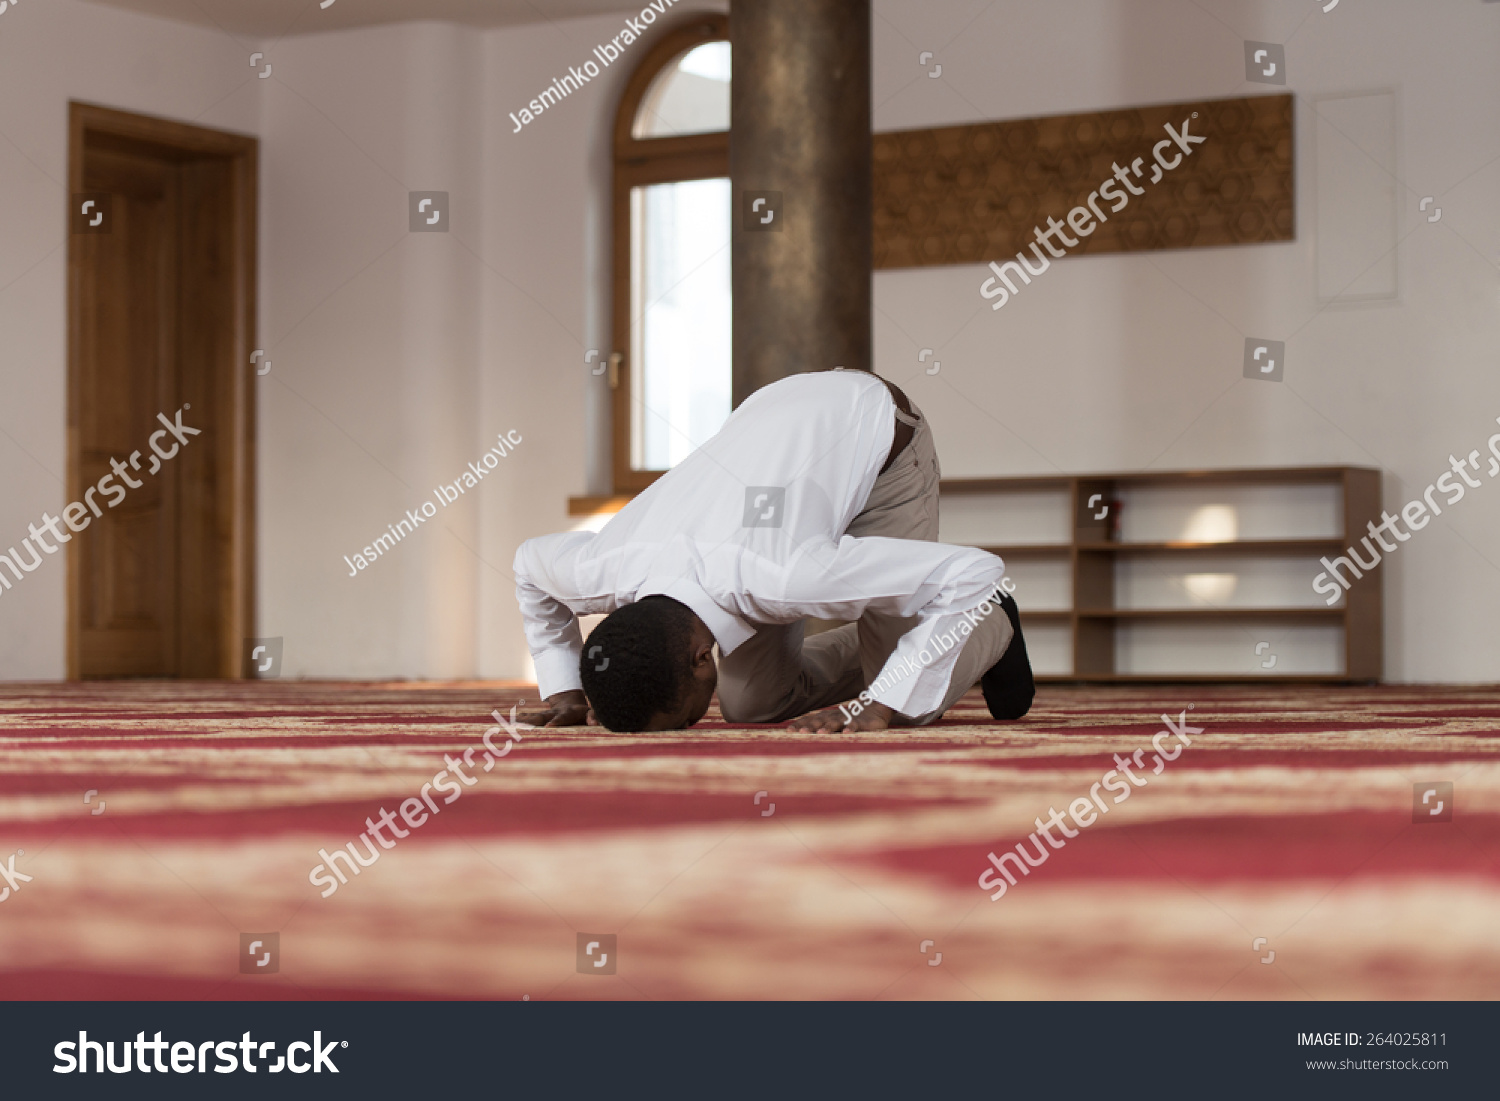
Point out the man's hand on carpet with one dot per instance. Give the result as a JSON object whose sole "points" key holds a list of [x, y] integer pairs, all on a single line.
{"points": [[877, 716], [563, 709]]}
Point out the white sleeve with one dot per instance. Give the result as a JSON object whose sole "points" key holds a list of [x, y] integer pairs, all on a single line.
{"points": [[941, 585], [543, 573]]}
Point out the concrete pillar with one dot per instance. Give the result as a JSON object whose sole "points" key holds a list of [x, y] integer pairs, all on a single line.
{"points": [[800, 131]]}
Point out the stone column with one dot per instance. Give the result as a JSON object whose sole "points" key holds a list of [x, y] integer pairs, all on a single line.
{"points": [[799, 140]]}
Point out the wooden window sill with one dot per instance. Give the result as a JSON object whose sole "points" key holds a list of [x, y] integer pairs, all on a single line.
{"points": [[595, 506]]}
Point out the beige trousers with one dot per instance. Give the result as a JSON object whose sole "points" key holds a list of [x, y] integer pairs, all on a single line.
{"points": [[778, 674]]}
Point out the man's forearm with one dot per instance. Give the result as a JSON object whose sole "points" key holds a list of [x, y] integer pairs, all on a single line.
{"points": [[552, 633]]}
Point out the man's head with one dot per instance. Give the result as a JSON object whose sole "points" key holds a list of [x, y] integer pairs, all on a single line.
{"points": [[649, 666]]}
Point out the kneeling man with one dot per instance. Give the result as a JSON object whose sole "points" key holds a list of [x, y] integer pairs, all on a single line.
{"points": [[818, 498]]}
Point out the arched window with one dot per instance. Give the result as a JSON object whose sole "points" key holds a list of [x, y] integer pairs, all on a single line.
{"points": [[672, 215]]}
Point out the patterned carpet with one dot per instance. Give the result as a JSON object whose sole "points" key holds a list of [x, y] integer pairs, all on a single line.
{"points": [[746, 862]]}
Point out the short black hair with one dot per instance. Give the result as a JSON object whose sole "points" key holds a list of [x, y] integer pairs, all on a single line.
{"points": [[638, 662]]}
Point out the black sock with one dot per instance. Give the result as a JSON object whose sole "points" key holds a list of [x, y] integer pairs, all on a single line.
{"points": [[1008, 686]]}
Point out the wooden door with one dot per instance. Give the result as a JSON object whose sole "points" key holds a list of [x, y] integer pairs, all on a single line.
{"points": [[129, 285], [161, 302]]}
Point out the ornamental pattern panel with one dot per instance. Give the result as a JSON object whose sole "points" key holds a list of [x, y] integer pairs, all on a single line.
{"points": [[968, 194]]}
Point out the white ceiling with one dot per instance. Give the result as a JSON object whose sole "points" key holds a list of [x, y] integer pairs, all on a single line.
{"points": [[279, 18]]}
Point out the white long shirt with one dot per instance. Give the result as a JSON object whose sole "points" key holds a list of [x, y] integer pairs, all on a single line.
{"points": [[797, 460]]}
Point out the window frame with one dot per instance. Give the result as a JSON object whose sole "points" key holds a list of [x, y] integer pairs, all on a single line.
{"points": [[639, 162]]}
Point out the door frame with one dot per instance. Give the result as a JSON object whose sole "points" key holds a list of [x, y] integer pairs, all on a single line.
{"points": [[237, 594]]}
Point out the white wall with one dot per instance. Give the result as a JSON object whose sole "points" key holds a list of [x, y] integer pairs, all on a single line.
{"points": [[51, 53], [397, 357], [374, 335], [1127, 362]]}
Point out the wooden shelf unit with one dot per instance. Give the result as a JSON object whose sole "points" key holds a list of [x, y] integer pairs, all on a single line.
{"points": [[1092, 555]]}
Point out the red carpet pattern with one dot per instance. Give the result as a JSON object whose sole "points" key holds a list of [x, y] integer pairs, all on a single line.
{"points": [[1284, 853]]}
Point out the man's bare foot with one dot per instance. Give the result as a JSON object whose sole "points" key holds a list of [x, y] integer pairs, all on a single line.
{"points": [[830, 720]]}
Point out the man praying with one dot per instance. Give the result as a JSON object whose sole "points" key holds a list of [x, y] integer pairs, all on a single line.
{"points": [[817, 499]]}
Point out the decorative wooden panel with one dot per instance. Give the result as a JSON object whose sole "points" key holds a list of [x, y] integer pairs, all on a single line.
{"points": [[969, 194]]}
